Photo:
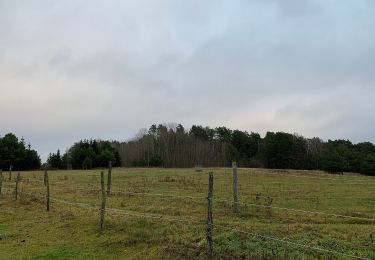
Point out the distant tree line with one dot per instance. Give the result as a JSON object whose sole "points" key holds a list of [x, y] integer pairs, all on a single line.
{"points": [[85, 154], [174, 146], [16, 153], [171, 146]]}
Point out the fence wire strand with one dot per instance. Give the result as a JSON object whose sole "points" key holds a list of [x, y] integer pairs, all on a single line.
{"points": [[299, 211], [168, 218]]}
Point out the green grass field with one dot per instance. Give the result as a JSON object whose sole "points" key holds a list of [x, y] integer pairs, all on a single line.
{"points": [[161, 214]]}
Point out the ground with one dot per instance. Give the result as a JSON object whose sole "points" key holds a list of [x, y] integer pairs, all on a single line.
{"points": [[161, 214]]}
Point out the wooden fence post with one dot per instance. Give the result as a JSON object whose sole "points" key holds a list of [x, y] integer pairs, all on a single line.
{"points": [[102, 208], [1, 179], [17, 180], [209, 216], [109, 182], [45, 174], [46, 183], [235, 188], [10, 172]]}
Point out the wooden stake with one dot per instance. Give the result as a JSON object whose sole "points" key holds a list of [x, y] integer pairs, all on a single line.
{"points": [[10, 173], [17, 180], [235, 189], [45, 175], [102, 208], [1, 179], [109, 182], [46, 183], [209, 216]]}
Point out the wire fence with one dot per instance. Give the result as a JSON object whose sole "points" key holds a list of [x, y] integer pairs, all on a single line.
{"points": [[159, 217], [202, 198]]}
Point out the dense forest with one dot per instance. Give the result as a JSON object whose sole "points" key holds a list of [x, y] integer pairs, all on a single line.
{"points": [[16, 153], [174, 146], [85, 154]]}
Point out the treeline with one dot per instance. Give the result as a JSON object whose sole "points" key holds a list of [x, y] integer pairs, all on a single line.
{"points": [[16, 153], [175, 146], [163, 146], [85, 154]]}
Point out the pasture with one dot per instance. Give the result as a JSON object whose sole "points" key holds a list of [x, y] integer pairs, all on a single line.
{"points": [[162, 213]]}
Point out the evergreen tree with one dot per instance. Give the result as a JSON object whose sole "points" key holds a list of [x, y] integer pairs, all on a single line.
{"points": [[14, 153]]}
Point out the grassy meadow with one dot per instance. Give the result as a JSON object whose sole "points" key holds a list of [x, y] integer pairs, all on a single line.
{"points": [[161, 214]]}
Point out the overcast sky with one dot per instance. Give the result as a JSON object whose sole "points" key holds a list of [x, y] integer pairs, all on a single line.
{"points": [[77, 69]]}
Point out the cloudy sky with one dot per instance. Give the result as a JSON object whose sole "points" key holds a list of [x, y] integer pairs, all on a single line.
{"points": [[77, 69]]}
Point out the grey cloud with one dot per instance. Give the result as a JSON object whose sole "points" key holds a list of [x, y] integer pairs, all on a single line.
{"points": [[74, 69]]}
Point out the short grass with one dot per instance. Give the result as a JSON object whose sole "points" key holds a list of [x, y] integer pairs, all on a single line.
{"points": [[161, 214]]}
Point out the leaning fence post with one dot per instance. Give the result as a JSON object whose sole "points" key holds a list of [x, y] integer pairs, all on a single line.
{"points": [[102, 208], [16, 190], [10, 172], [1, 179], [209, 216], [46, 183], [235, 190], [109, 182]]}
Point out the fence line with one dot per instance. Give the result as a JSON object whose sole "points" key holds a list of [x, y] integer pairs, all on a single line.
{"points": [[42, 197], [342, 181], [195, 197], [264, 171], [163, 217], [300, 211], [253, 204], [247, 204], [115, 210], [145, 193], [258, 205], [252, 194]]}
